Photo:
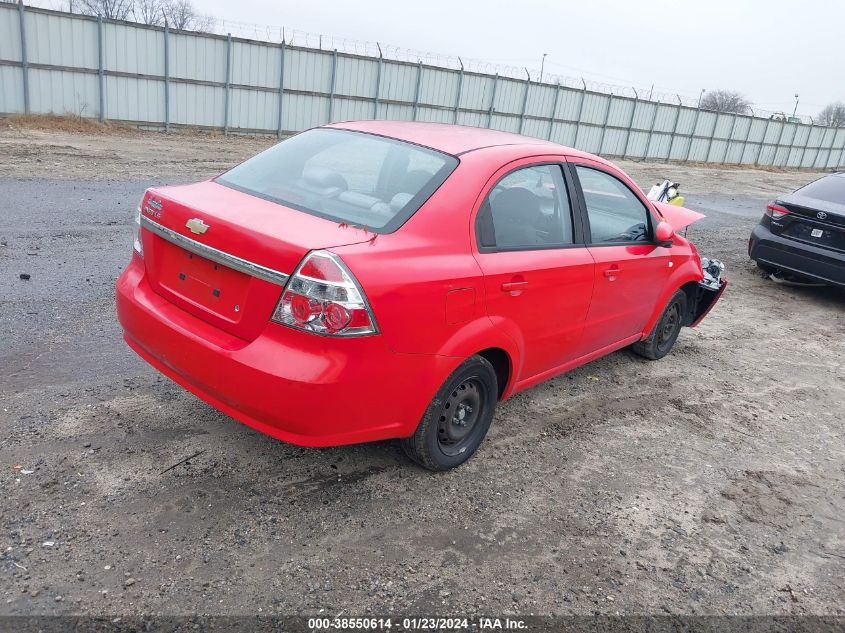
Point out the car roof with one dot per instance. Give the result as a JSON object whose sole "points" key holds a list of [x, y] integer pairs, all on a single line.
{"points": [[458, 139]]}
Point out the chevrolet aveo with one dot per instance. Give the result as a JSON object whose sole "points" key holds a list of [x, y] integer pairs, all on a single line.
{"points": [[373, 280]]}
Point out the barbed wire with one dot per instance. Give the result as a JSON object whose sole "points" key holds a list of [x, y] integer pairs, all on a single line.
{"points": [[306, 39], [318, 41]]}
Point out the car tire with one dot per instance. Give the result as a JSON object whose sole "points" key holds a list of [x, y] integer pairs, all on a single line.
{"points": [[665, 332], [457, 419]]}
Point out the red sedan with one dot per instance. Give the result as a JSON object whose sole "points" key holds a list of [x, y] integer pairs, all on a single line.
{"points": [[383, 279]]}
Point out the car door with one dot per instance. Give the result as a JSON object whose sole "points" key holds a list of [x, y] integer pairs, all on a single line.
{"points": [[630, 269], [538, 275]]}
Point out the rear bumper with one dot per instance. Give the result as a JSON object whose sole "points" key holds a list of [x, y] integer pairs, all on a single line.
{"points": [[295, 386], [805, 259]]}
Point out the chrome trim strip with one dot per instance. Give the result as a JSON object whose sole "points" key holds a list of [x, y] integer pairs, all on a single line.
{"points": [[231, 261]]}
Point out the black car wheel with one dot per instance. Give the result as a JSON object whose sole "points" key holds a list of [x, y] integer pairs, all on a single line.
{"points": [[664, 334], [457, 419]]}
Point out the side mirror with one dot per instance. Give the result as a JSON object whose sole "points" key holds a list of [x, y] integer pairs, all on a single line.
{"points": [[663, 234]]}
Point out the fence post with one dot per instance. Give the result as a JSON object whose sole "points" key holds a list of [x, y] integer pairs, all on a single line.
{"points": [[762, 142], [651, 130], [281, 88], [777, 144], [524, 100], [712, 134], [24, 60], [492, 101], [332, 86], [100, 76], [460, 89], [730, 139], [604, 125], [166, 77], [692, 132], [554, 112], [747, 136], [631, 122], [228, 84], [674, 131], [378, 81], [417, 92], [580, 111], [806, 145]]}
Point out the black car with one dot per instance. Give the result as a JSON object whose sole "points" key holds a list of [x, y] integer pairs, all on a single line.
{"points": [[802, 234]]}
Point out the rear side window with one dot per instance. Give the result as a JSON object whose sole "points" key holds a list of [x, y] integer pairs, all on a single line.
{"points": [[616, 214], [346, 176], [527, 209], [828, 189]]}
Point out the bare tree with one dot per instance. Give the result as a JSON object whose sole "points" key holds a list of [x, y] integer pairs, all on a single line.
{"points": [[725, 101], [181, 14], [833, 115], [111, 9], [149, 12]]}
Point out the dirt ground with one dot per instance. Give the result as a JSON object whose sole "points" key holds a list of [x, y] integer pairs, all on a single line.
{"points": [[710, 482]]}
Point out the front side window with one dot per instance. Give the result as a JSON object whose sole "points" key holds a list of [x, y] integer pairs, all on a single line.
{"points": [[346, 176], [527, 209], [616, 214]]}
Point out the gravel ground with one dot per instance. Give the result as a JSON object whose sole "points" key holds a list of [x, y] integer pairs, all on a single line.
{"points": [[710, 482]]}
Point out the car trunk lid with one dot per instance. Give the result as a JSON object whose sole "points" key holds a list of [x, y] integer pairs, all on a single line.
{"points": [[224, 256], [817, 222]]}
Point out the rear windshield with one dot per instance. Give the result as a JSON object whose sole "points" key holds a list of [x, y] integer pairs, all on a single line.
{"points": [[830, 189], [350, 177]]}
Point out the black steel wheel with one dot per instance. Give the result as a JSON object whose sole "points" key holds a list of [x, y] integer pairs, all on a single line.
{"points": [[664, 334], [670, 325], [457, 419]]}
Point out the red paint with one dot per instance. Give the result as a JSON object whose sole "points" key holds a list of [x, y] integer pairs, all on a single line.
{"points": [[435, 297]]}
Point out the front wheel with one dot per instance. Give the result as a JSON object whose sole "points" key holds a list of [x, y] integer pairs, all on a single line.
{"points": [[664, 334], [457, 419]]}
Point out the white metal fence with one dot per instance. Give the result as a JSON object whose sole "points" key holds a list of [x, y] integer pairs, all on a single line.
{"points": [[59, 62]]}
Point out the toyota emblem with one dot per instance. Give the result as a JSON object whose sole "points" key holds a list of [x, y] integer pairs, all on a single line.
{"points": [[821, 215]]}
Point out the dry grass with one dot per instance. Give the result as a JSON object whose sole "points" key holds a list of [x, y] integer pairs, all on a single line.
{"points": [[66, 123]]}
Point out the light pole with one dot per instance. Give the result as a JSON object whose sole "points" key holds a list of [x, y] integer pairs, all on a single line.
{"points": [[700, 96], [795, 109], [542, 65]]}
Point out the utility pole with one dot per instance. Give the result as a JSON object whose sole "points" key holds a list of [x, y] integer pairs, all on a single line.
{"points": [[700, 97], [795, 109], [542, 66]]}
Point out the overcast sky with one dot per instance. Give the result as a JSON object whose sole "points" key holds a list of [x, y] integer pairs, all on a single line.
{"points": [[767, 49]]}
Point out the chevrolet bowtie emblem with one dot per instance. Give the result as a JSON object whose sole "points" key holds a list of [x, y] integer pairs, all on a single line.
{"points": [[197, 226]]}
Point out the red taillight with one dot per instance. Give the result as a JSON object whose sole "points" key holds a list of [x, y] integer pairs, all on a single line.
{"points": [[303, 309], [323, 297], [776, 211], [336, 317], [322, 268]]}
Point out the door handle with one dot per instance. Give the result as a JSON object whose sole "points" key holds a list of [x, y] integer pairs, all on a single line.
{"points": [[511, 286], [612, 273]]}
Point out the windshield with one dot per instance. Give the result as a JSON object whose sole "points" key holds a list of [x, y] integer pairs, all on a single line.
{"points": [[829, 189], [350, 177]]}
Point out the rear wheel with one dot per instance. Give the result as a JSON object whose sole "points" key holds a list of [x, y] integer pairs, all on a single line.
{"points": [[457, 419], [664, 334]]}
